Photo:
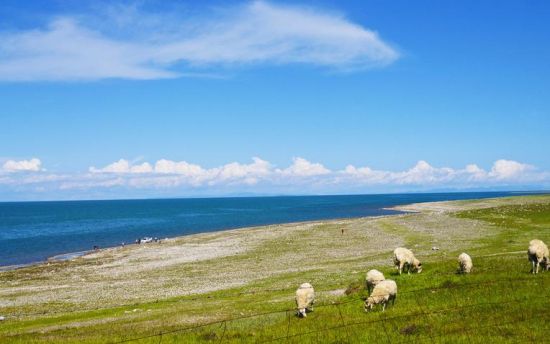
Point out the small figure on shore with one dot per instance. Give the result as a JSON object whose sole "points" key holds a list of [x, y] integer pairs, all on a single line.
{"points": [[342, 231], [96, 247]]}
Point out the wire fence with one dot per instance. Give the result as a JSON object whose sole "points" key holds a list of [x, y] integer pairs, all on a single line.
{"points": [[384, 320], [199, 297], [345, 325], [232, 295]]}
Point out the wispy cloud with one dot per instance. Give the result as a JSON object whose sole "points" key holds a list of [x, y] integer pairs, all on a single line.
{"points": [[84, 48], [301, 176]]}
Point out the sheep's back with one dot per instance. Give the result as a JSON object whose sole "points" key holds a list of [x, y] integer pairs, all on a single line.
{"points": [[375, 276], [538, 249], [304, 296], [385, 288], [402, 254]]}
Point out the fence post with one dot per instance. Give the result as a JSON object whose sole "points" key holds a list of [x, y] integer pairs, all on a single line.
{"points": [[342, 320], [223, 333], [423, 312], [287, 324], [384, 327], [462, 315]]}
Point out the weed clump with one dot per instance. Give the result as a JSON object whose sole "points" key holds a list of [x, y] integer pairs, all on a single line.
{"points": [[354, 288], [409, 330]]}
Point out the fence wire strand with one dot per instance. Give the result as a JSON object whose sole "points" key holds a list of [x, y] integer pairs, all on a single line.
{"points": [[382, 319]]}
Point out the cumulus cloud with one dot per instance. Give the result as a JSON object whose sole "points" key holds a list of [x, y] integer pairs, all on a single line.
{"points": [[303, 168], [31, 165], [168, 173], [509, 169], [301, 176], [80, 48], [123, 166], [184, 172], [424, 174]]}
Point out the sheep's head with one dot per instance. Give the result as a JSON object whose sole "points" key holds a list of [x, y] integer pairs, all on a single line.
{"points": [[369, 303], [302, 312], [417, 266]]}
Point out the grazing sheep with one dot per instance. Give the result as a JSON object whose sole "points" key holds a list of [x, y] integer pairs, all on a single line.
{"points": [[465, 264], [305, 297], [383, 292], [537, 254], [373, 278], [404, 257]]}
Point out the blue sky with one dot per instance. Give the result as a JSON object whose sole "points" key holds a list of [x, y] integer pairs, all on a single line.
{"points": [[329, 96]]}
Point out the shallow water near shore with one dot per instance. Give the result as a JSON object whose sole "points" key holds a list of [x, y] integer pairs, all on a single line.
{"points": [[33, 231]]}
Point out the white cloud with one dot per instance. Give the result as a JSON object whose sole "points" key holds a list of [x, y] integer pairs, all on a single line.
{"points": [[181, 167], [31, 165], [509, 169], [423, 174], [259, 32], [475, 172], [182, 172], [303, 168], [247, 173], [123, 166], [257, 176], [67, 50]]}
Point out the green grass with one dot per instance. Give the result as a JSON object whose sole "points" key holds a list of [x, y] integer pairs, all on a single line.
{"points": [[499, 302]]}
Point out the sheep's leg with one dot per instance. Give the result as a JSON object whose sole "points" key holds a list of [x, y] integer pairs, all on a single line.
{"points": [[400, 268], [408, 269], [383, 307]]}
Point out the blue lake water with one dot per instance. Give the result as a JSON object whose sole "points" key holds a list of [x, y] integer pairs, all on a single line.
{"points": [[33, 231]]}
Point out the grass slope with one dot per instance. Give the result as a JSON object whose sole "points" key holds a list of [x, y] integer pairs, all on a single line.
{"points": [[499, 302]]}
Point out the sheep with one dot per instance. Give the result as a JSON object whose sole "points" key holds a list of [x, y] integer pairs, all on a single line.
{"points": [[404, 257], [383, 292], [305, 298], [373, 278], [465, 264], [537, 254]]}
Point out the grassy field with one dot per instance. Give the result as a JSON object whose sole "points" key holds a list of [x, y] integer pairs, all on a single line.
{"points": [[238, 286]]}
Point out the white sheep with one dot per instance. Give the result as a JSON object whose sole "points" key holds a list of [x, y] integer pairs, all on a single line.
{"points": [[373, 278], [465, 264], [537, 254], [305, 297], [403, 257], [383, 292]]}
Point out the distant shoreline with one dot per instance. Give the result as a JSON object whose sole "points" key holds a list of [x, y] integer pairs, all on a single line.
{"points": [[73, 255], [395, 209]]}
